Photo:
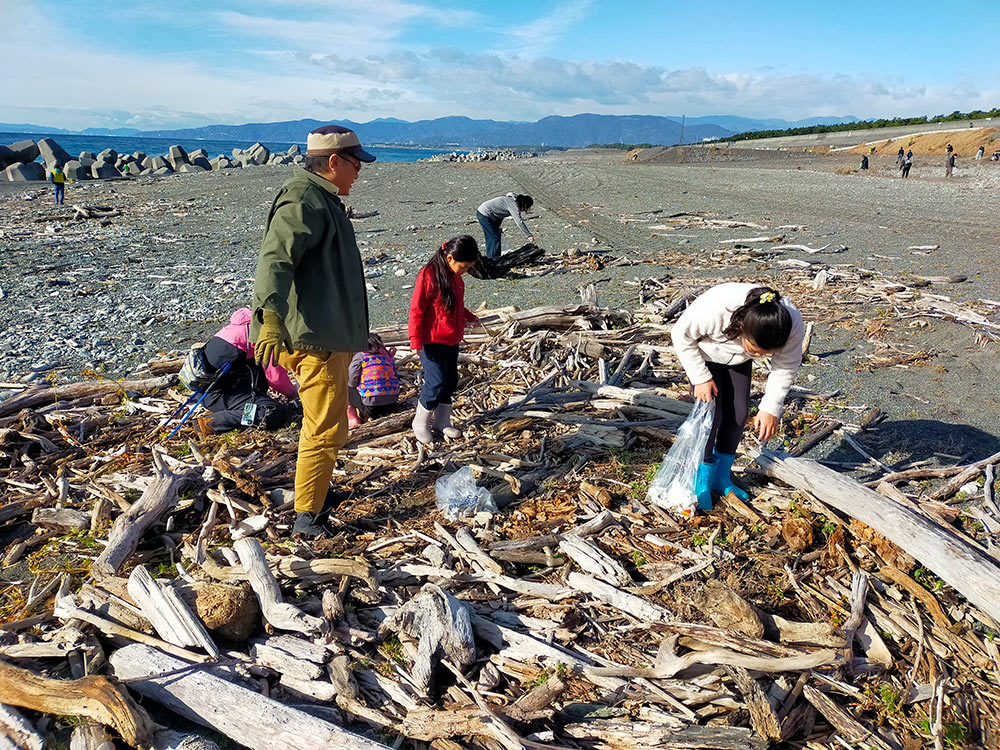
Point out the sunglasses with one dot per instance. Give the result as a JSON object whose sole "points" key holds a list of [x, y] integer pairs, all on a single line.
{"points": [[356, 163]]}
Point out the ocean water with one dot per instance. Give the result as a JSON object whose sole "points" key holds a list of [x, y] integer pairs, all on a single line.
{"points": [[74, 144]]}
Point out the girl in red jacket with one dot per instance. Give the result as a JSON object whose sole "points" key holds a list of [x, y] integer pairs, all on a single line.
{"points": [[437, 320]]}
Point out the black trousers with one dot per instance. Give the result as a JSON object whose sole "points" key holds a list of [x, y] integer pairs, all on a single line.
{"points": [[440, 363], [732, 407], [227, 410]]}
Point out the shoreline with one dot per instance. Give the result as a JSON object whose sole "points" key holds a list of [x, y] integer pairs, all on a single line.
{"points": [[168, 272]]}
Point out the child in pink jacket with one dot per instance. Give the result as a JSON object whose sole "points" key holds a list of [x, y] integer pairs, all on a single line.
{"points": [[240, 398]]}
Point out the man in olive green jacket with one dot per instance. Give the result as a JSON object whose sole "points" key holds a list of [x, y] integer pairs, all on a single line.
{"points": [[309, 299]]}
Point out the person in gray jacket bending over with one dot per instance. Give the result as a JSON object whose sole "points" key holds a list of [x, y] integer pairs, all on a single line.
{"points": [[491, 214]]}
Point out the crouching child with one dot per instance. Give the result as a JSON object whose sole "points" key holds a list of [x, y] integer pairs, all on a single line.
{"points": [[716, 339], [373, 385], [240, 398]]}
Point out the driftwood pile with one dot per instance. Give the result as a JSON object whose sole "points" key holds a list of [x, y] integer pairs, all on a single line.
{"points": [[821, 614], [530, 260]]}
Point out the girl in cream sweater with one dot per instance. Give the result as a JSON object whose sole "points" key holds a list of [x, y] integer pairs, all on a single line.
{"points": [[716, 339]]}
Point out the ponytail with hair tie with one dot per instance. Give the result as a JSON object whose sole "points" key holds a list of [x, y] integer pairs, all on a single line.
{"points": [[761, 319]]}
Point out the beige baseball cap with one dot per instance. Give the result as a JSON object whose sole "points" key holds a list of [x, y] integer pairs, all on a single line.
{"points": [[334, 139]]}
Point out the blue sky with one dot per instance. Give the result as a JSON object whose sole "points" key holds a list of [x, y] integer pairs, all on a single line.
{"points": [[179, 63]]}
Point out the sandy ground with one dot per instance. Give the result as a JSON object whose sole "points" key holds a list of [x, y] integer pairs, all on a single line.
{"points": [[182, 257], [965, 143]]}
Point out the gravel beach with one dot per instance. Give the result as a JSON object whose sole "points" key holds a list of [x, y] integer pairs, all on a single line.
{"points": [[80, 297]]}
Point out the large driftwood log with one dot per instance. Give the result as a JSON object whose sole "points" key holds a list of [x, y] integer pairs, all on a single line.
{"points": [[637, 397], [387, 425], [727, 609], [292, 657], [90, 737], [628, 734], [443, 625], [16, 732], [280, 614], [971, 572], [592, 559], [95, 697], [168, 613], [229, 611], [633, 605], [762, 717], [168, 739], [158, 499], [325, 568], [61, 519], [87, 389], [247, 717]]}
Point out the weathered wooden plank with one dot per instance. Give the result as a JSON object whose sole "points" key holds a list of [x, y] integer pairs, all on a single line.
{"points": [[247, 717], [974, 574]]}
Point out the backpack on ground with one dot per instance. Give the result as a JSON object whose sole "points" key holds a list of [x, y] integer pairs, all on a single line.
{"points": [[195, 373]]}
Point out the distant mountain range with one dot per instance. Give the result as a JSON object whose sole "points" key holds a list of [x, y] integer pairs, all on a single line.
{"points": [[555, 131]]}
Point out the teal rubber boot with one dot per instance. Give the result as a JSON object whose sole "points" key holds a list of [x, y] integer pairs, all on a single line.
{"points": [[722, 480], [703, 485]]}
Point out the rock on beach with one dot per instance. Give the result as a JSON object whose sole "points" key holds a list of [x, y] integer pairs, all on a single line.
{"points": [[52, 153], [25, 172], [110, 164]]}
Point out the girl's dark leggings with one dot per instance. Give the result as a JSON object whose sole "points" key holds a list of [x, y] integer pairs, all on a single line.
{"points": [[440, 363], [732, 407]]}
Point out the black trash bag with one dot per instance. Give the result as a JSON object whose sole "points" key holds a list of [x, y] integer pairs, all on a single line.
{"points": [[495, 268]]}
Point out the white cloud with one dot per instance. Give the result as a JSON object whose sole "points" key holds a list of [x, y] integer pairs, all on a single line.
{"points": [[286, 73], [328, 32], [534, 37]]}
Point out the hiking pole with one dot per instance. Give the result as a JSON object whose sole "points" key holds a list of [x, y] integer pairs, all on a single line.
{"points": [[222, 371], [182, 407]]}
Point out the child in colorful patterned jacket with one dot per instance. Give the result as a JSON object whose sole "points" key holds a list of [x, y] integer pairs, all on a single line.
{"points": [[373, 385]]}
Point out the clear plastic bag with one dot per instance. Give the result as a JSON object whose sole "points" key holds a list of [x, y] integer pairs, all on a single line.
{"points": [[459, 497], [672, 487]]}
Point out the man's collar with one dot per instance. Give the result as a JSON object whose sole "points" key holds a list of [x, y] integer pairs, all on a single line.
{"points": [[321, 182]]}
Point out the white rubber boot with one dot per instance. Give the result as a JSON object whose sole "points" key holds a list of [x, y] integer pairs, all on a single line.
{"points": [[442, 422], [422, 425]]}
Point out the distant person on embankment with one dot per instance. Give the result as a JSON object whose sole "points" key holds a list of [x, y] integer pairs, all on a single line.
{"points": [[864, 161], [310, 306], [58, 179], [491, 214], [905, 166], [899, 156], [980, 152], [949, 162]]}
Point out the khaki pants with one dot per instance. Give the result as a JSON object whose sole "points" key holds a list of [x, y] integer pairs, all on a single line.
{"points": [[322, 378]]}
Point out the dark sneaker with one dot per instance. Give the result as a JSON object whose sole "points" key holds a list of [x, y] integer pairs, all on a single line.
{"points": [[306, 524]]}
